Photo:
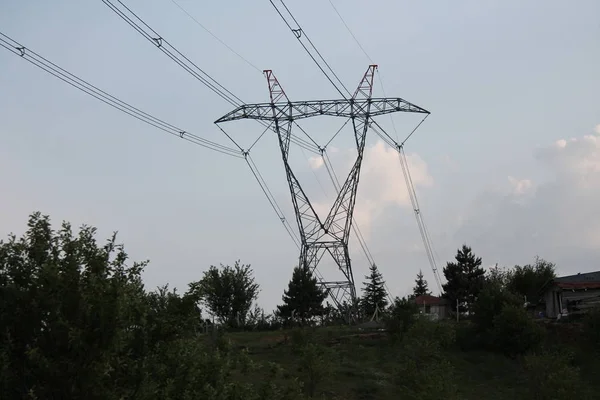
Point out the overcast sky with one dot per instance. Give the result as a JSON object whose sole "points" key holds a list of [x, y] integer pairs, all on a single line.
{"points": [[508, 162]]}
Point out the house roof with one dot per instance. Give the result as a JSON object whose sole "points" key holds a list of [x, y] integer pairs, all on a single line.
{"points": [[589, 280], [429, 300]]}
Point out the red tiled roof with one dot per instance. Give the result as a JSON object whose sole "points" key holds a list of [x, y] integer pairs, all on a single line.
{"points": [[429, 300]]}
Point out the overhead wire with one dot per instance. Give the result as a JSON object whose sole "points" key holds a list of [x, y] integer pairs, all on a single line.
{"points": [[404, 163], [151, 35], [426, 238], [174, 54], [299, 33], [215, 36], [274, 204], [297, 140], [86, 87]]}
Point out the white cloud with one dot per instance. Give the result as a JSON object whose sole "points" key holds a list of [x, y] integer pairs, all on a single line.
{"points": [[315, 162], [520, 186], [558, 219], [382, 183], [597, 130]]}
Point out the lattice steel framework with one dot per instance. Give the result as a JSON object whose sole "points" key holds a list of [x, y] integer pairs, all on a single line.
{"points": [[329, 236]]}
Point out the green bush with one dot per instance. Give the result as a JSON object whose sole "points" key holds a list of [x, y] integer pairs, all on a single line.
{"points": [[443, 333], [514, 332], [591, 329], [551, 376], [402, 314], [469, 337], [423, 371], [315, 366], [490, 303]]}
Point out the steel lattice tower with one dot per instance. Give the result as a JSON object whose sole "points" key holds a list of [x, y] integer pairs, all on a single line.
{"points": [[331, 235]]}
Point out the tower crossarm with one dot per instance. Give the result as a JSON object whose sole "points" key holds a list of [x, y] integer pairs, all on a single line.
{"points": [[350, 108], [329, 236]]}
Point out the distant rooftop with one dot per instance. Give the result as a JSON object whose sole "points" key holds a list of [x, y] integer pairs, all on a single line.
{"points": [[588, 280], [429, 300]]}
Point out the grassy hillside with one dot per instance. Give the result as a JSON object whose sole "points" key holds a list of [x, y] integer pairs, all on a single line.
{"points": [[349, 364]]}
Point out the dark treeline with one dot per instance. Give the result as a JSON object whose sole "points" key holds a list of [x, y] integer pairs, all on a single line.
{"points": [[77, 323]]}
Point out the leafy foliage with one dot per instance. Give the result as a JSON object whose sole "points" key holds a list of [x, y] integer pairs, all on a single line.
{"points": [[69, 312], [75, 323], [424, 372], [374, 293], [491, 301], [227, 292], [401, 315], [514, 332], [303, 300], [551, 376], [591, 329], [421, 288], [465, 279], [529, 279]]}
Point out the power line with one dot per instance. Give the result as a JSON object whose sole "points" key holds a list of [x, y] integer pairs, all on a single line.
{"points": [[400, 147], [163, 45], [299, 33], [183, 61], [350, 31], [267, 192], [215, 36], [86, 87]]}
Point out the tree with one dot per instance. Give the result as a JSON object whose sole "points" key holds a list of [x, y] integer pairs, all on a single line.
{"points": [[529, 279], [70, 314], [465, 279], [75, 322], [303, 300], [402, 315], [421, 288], [227, 292], [375, 295]]}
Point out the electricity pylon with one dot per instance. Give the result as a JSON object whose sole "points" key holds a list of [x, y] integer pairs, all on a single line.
{"points": [[331, 235]]}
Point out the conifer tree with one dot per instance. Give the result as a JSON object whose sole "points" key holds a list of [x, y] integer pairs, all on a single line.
{"points": [[421, 288], [465, 279], [303, 300], [374, 293]]}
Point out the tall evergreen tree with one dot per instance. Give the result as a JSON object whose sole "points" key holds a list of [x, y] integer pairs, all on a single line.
{"points": [[374, 293], [421, 288], [465, 279], [303, 300]]}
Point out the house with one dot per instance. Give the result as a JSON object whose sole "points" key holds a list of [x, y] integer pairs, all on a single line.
{"points": [[432, 306], [573, 294]]}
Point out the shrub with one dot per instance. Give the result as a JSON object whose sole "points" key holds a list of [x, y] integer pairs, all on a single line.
{"points": [[469, 337], [514, 332], [552, 377], [314, 366], [591, 328], [423, 371], [492, 299], [443, 334], [401, 316]]}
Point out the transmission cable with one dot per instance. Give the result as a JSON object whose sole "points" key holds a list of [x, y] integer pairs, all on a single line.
{"points": [[267, 192], [215, 36], [400, 148], [299, 33], [163, 45], [180, 59], [86, 87]]}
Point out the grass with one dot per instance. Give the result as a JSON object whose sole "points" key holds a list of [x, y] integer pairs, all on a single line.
{"points": [[363, 366]]}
